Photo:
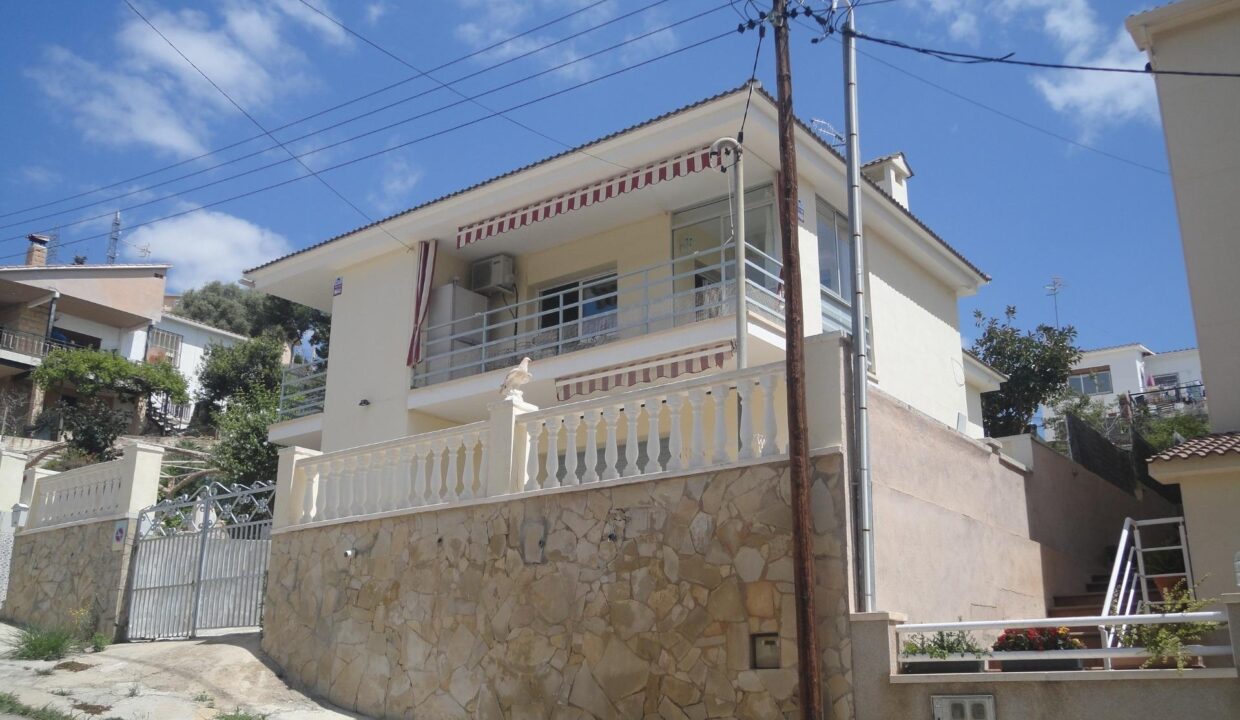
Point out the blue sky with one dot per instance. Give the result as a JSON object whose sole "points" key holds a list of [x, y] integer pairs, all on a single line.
{"points": [[93, 96]]}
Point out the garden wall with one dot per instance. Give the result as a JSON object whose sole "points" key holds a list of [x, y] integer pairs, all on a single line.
{"points": [[61, 570], [630, 599]]}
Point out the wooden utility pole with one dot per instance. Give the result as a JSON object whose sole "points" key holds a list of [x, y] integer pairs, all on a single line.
{"points": [[794, 338]]}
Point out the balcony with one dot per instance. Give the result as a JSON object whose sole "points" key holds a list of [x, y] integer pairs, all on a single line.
{"points": [[303, 390], [1172, 400], [29, 345], [607, 308]]}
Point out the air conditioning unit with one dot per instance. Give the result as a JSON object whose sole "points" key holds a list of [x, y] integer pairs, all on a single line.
{"points": [[492, 275], [963, 707]]}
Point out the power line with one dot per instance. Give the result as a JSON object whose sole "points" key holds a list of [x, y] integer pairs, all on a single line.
{"points": [[753, 79], [367, 133], [971, 59], [1003, 114], [445, 86], [429, 136], [260, 126], [359, 98]]}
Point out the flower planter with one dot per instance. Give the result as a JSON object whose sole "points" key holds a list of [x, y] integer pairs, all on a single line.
{"points": [[944, 666], [1047, 665]]}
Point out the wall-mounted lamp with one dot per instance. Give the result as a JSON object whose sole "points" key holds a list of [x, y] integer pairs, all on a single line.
{"points": [[364, 403]]}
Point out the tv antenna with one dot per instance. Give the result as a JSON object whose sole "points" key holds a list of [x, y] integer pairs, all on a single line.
{"points": [[1053, 289], [828, 131]]}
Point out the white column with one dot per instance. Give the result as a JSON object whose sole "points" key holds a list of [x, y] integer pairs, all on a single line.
{"points": [[611, 455], [295, 495], [505, 451], [632, 412], [571, 423], [674, 441], [697, 439], [140, 476], [719, 394]]}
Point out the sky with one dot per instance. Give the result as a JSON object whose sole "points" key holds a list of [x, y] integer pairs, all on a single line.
{"points": [[1031, 174]]}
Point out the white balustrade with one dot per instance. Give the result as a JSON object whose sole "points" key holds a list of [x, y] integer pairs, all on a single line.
{"points": [[716, 421], [104, 490]]}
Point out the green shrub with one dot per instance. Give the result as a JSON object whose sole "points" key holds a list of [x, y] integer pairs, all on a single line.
{"points": [[240, 715], [1167, 643], [39, 643], [99, 641], [10, 704], [942, 645]]}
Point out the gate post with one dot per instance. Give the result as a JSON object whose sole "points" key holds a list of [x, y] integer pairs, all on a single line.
{"points": [[204, 527], [290, 495]]}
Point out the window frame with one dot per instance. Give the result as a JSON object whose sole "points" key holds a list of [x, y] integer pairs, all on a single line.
{"points": [[171, 354], [1092, 374]]}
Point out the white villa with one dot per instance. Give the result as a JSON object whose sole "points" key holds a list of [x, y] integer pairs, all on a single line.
{"points": [[613, 261]]}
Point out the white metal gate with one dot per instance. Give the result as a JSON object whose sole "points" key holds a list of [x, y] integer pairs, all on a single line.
{"points": [[201, 562]]}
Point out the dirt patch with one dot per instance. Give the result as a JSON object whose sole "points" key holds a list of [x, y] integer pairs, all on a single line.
{"points": [[90, 709], [72, 666]]}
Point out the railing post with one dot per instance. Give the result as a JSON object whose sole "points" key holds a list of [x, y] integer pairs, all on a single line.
{"points": [[506, 464], [1231, 605], [30, 495], [290, 496], [140, 477], [12, 472]]}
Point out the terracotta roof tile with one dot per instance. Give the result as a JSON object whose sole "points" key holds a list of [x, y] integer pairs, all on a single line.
{"points": [[1205, 446]]}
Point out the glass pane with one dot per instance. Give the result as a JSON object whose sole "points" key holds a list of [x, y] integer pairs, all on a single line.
{"points": [[845, 245], [599, 297], [828, 249], [1075, 382], [1102, 382]]}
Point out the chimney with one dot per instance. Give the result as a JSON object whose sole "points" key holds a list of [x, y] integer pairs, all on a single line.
{"points": [[36, 253], [891, 173]]}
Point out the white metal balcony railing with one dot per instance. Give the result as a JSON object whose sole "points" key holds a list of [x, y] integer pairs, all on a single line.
{"points": [[694, 425], [686, 290], [1163, 401], [29, 344], [303, 390], [1106, 654]]}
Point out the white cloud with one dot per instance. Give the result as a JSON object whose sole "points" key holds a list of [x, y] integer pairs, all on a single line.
{"points": [[38, 175], [204, 246], [1096, 100], [396, 185], [146, 94], [376, 11]]}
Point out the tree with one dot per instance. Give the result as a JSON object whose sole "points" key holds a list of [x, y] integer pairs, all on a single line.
{"points": [[1037, 364], [95, 373], [226, 306], [243, 454], [250, 366], [92, 426]]}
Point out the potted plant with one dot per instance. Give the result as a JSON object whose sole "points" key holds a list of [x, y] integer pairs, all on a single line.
{"points": [[1167, 643], [940, 646], [1169, 564], [1038, 640]]}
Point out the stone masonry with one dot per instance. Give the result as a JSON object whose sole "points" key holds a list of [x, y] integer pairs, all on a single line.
{"points": [[625, 600], [63, 570]]}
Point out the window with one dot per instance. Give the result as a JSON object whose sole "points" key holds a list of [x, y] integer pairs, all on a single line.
{"points": [[1092, 382], [580, 308], [163, 345], [1167, 380], [834, 251]]}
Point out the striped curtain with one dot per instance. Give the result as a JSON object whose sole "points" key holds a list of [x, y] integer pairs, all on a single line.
{"points": [[421, 298]]}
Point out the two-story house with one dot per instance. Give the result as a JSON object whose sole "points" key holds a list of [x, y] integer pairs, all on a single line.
{"points": [[118, 308], [609, 266]]}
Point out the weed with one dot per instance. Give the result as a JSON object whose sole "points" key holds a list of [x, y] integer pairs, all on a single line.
{"points": [[61, 693], [133, 691], [38, 643], [240, 715], [203, 697], [44, 671], [10, 704], [99, 641]]}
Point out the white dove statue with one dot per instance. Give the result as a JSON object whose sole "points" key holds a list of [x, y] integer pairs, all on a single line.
{"points": [[510, 389]]}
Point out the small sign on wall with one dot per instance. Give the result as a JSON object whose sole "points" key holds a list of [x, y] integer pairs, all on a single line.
{"points": [[337, 287], [119, 531]]}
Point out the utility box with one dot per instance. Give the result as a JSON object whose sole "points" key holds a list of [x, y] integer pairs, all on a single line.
{"points": [[493, 275], [963, 707]]}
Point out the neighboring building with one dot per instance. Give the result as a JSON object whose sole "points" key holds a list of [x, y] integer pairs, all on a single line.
{"points": [[118, 308], [1203, 144], [979, 378], [1128, 377], [593, 273]]}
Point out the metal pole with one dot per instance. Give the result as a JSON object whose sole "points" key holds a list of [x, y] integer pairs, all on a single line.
{"points": [[720, 146], [809, 677], [860, 345], [203, 527]]}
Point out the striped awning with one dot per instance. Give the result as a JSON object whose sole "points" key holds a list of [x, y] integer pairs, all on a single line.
{"points": [[669, 367], [678, 166]]}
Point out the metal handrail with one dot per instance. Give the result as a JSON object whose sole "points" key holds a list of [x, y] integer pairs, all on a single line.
{"points": [[1128, 576], [30, 343], [303, 390]]}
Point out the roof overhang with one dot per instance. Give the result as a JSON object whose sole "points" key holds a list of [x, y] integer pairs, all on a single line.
{"points": [[1144, 26], [980, 375], [307, 276]]}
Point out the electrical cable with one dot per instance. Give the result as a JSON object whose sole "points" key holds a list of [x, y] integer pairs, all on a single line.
{"points": [[359, 98], [359, 136], [753, 78], [407, 143], [445, 86]]}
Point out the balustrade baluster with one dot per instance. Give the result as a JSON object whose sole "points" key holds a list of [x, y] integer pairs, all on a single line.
{"points": [[421, 484], [329, 482], [719, 394], [591, 418], [305, 482], [674, 441], [484, 466], [404, 478], [361, 471], [744, 390], [377, 481], [632, 411], [533, 430], [611, 455], [553, 452], [571, 423], [654, 406], [467, 476], [771, 429], [438, 493], [697, 440], [452, 482]]}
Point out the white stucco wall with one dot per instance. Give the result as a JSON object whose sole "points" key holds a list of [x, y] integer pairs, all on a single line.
{"points": [[110, 338], [195, 340], [917, 355], [1199, 117], [1185, 363]]}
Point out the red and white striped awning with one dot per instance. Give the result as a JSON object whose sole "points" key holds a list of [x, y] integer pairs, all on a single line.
{"points": [[636, 179], [669, 366]]}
